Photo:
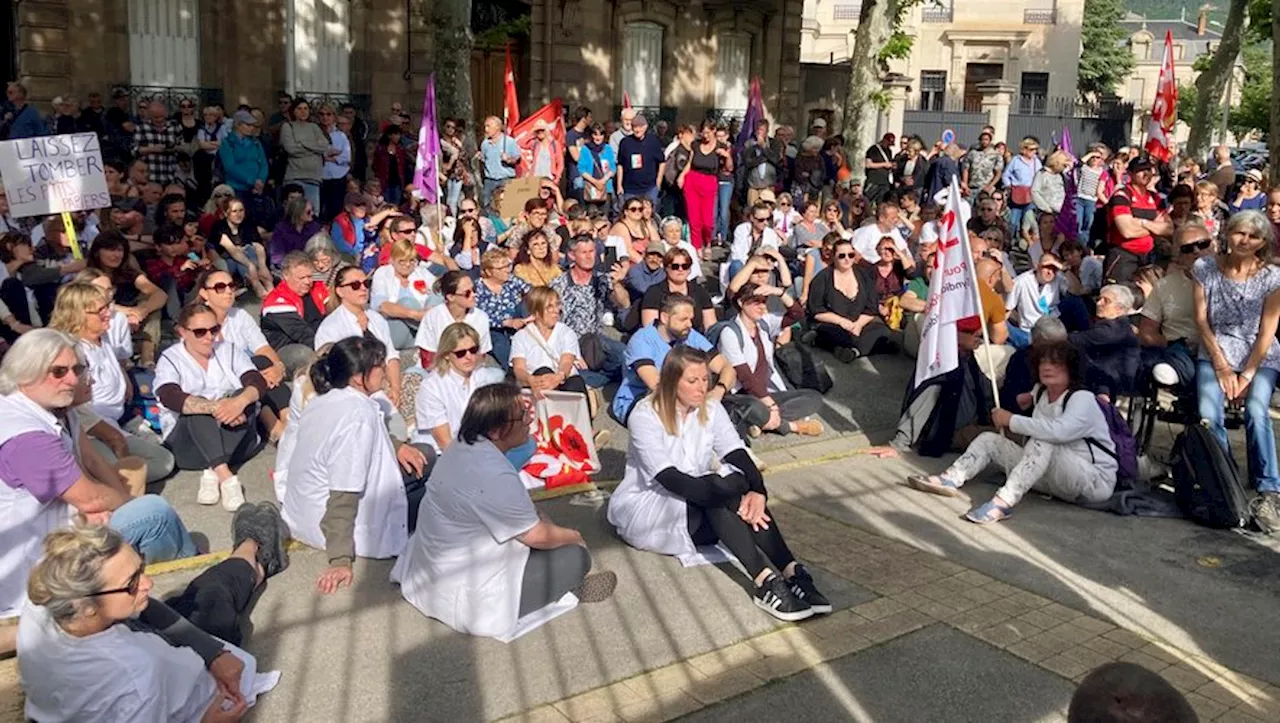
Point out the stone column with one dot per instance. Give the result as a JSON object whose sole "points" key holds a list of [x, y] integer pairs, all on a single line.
{"points": [[895, 86], [997, 99]]}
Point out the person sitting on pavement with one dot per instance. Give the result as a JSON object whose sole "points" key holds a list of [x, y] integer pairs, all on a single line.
{"points": [[402, 291], [500, 295], [1068, 454], [94, 645], [1110, 347], [752, 235], [456, 374], [483, 560], [690, 483], [765, 401], [867, 238], [545, 354], [643, 274], [1035, 293], [350, 315], [293, 310], [650, 345], [1019, 377], [587, 293], [1167, 327], [49, 472], [83, 311], [844, 310], [208, 390], [352, 491], [1236, 311], [678, 264], [769, 272], [460, 305]]}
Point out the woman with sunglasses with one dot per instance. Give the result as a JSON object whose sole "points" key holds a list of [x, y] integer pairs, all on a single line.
{"points": [[402, 291], [91, 632], [208, 391], [295, 228], [831, 217], [633, 229], [845, 311], [457, 372], [1250, 196], [84, 311], [535, 262], [459, 293], [349, 315], [218, 291], [352, 491], [679, 265]]}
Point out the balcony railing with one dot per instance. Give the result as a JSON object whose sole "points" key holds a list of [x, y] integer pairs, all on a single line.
{"points": [[936, 14], [727, 115], [847, 11], [362, 101], [653, 112], [1043, 16], [171, 96]]}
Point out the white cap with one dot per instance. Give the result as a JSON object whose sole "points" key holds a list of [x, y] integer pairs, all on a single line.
{"points": [[818, 123]]}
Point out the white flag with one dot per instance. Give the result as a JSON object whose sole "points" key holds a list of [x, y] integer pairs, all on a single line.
{"points": [[952, 291]]}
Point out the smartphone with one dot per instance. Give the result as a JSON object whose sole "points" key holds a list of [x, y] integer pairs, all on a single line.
{"points": [[194, 257], [610, 257]]}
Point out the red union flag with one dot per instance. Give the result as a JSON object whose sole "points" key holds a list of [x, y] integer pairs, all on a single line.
{"points": [[510, 104], [1164, 111], [952, 292]]}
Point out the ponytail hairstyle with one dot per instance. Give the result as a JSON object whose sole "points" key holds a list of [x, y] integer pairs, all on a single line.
{"points": [[448, 284], [335, 279], [302, 377], [355, 356]]}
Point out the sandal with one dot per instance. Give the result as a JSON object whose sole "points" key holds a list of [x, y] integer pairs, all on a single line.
{"points": [[989, 512], [933, 484]]}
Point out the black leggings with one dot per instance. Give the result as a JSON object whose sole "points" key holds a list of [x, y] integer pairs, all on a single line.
{"points": [[217, 600], [549, 574], [277, 400], [199, 441], [876, 338], [708, 525], [793, 405], [415, 486]]}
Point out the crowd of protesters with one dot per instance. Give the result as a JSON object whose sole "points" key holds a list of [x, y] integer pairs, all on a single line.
{"points": [[678, 277]]}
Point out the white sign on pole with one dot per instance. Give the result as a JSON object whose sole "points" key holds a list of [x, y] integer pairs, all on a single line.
{"points": [[53, 174]]}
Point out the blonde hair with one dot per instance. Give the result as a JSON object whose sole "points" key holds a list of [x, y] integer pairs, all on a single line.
{"points": [[71, 568], [1208, 187], [302, 377], [539, 298], [90, 275], [403, 249], [493, 258], [73, 301], [674, 366], [1057, 162], [449, 339]]}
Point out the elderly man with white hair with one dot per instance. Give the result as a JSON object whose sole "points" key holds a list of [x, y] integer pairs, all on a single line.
{"points": [[1110, 347], [49, 472]]}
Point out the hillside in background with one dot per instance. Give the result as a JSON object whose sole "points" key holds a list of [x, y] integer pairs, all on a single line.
{"points": [[1171, 9]]}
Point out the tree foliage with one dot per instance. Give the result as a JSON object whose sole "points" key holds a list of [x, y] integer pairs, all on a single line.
{"points": [[1253, 113], [1105, 59], [1213, 81], [878, 39]]}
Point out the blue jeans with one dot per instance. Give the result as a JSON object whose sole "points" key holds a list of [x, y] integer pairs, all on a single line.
{"points": [[725, 191], [1019, 338], [153, 528], [393, 195], [310, 191], [1015, 217], [1084, 218], [614, 354], [1259, 438], [454, 194], [238, 269]]}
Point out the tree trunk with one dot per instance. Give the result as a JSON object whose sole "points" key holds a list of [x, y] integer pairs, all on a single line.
{"points": [[1212, 82], [451, 31], [859, 123], [1273, 137]]}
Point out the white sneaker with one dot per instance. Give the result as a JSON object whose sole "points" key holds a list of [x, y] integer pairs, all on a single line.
{"points": [[232, 495], [1164, 375], [208, 494], [606, 319]]}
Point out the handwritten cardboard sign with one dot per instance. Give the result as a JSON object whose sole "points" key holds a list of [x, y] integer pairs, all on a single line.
{"points": [[53, 174]]}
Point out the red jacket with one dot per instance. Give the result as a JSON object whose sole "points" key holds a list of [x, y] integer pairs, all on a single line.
{"points": [[284, 316], [382, 165]]}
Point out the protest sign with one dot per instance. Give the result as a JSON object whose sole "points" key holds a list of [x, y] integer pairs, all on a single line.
{"points": [[53, 174], [517, 193]]}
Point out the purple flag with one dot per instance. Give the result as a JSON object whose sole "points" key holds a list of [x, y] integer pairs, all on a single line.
{"points": [[426, 174], [1067, 225], [755, 113]]}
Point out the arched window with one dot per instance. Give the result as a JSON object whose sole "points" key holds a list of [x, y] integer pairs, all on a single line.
{"points": [[641, 76]]}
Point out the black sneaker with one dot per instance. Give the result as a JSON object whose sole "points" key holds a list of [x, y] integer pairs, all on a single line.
{"points": [[1266, 511], [845, 354], [803, 588], [262, 523], [776, 598]]}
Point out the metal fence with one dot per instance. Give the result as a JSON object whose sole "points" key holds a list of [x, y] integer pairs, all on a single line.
{"points": [[363, 102], [930, 122], [1107, 123], [171, 96], [653, 112]]}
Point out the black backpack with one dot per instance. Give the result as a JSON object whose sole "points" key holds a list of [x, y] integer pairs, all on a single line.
{"points": [[800, 368], [1207, 482]]}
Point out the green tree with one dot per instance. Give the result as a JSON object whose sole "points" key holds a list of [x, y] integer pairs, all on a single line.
{"points": [[1213, 80], [1253, 112], [878, 39], [450, 23], [1105, 59], [1187, 106]]}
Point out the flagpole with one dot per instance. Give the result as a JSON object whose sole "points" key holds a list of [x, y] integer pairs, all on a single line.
{"points": [[977, 298]]}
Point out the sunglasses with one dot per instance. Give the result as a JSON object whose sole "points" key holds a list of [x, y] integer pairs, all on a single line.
{"points": [[1196, 246], [680, 267], [221, 287], [130, 587], [405, 229], [464, 353], [467, 210], [466, 294], [757, 219], [357, 285], [636, 209], [59, 371], [201, 333], [850, 255]]}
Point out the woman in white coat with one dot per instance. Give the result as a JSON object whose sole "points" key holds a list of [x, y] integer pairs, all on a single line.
{"points": [[352, 491], [1069, 453], [545, 354], [689, 482], [456, 373], [483, 561], [350, 315]]}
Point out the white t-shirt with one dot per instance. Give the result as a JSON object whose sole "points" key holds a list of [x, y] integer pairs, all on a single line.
{"points": [[442, 399], [740, 250], [1031, 300], [109, 382], [342, 323], [464, 566], [343, 446], [867, 238], [176, 366], [386, 286], [539, 352], [740, 348], [438, 319], [119, 336], [241, 329]]}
